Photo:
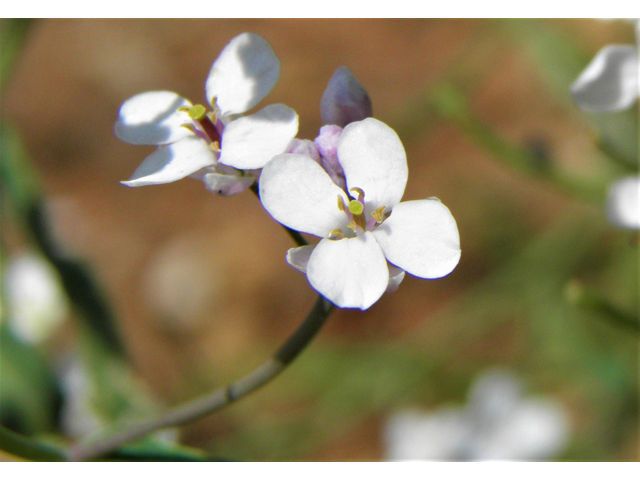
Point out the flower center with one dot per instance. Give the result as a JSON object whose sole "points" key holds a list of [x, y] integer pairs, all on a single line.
{"points": [[355, 212], [209, 127]]}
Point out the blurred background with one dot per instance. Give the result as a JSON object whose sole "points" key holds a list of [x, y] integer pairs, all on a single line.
{"points": [[178, 291]]}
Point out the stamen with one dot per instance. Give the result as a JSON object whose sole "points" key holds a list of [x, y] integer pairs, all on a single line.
{"points": [[336, 234], [199, 114], [356, 207], [341, 206], [378, 214], [353, 226], [360, 193]]}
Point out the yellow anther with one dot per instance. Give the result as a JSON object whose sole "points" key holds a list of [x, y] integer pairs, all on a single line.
{"points": [[341, 206], [378, 214], [356, 207], [359, 191], [215, 146], [184, 108], [353, 226], [189, 127], [336, 234], [197, 112]]}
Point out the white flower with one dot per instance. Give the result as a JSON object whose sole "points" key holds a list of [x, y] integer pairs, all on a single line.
{"points": [[368, 238], [498, 423], [610, 81], [35, 299], [212, 146], [623, 205]]}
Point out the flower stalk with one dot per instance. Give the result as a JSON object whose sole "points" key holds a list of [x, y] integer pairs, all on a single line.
{"points": [[216, 400]]}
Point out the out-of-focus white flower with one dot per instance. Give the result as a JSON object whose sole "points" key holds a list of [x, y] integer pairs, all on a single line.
{"points": [[36, 302], [498, 423], [623, 204], [79, 415], [610, 81], [215, 147], [369, 238]]}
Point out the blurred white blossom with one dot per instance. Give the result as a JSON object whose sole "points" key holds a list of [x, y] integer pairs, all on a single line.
{"points": [[610, 82], [498, 423], [80, 414], [36, 302], [216, 147], [623, 203]]}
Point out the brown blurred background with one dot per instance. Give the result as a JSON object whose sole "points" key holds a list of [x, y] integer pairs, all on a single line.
{"points": [[199, 283]]}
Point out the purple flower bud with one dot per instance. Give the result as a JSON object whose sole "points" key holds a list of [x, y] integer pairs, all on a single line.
{"points": [[345, 100]]}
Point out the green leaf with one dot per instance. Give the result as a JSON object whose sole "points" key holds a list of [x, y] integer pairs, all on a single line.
{"points": [[29, 396]]}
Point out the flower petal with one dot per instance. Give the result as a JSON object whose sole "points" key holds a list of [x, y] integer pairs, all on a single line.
{"points": [[244, 73], [251, 141], [623, 205], [304, 147], [298, 257], [298, 193], [345, 100], [610, 81], [226, 185], [374, 160], [396, 275], [172, 162], [152, 118], [421, 237], [351, 273]]}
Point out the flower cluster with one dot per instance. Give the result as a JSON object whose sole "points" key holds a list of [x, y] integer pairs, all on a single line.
{"points": [[610, 84], [344, 187], [498, 423]]}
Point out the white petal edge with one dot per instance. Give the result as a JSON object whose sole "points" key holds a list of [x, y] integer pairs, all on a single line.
{"points": [[351, 273], [421, 237], [243, 74], [623, 204], [298, 257], [396, 275], [152, 118], [250, 142], [373, 159], [172, 162], [610, 81], [298, 193]]}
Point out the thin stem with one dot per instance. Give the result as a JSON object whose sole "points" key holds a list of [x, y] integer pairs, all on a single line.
{"points": [[28, 448], [215, 401], [296, 236]]}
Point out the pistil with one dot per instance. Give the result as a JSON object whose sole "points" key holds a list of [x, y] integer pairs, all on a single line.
{"points": [[198, 114]]}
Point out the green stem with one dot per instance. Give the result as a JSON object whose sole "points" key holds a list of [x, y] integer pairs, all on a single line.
{"points": [[27, 448], [218, 399]]}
